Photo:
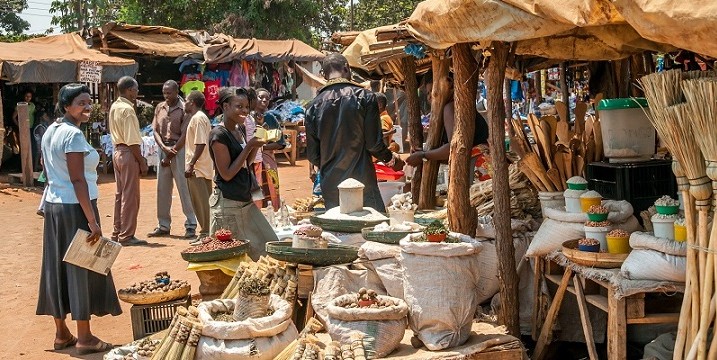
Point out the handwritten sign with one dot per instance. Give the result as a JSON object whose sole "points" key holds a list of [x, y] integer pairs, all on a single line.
{"points": [[89, 71]]}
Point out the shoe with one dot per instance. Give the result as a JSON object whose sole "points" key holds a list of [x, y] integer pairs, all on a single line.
{"points": [[100, 347], [133, 241], [196, 242], [158, 232], [71, 342], [41, 213], [190, 234]]}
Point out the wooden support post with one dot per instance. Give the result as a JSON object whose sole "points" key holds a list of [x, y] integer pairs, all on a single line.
{"points": [[538, 81], [507, 274], [508, 106], [537, 297], [585, 319], [415, 128], [616, 327], [440, 94], [547, 330], [23, 120], [461, 215], [564, 86]]}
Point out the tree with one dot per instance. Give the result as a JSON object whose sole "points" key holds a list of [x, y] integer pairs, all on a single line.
{"points": [[74, 15], [369, 14], [10, 22]]}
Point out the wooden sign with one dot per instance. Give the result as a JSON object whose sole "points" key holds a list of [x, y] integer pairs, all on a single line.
{"points": [[89, 71], [98, 257]]}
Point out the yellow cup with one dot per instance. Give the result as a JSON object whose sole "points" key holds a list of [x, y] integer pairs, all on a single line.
{"points": [[680, 233], [618, 245], [260, 133], [586, 203]]}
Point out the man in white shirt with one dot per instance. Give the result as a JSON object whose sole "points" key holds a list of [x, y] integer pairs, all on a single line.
{"points": [[198, 168]]}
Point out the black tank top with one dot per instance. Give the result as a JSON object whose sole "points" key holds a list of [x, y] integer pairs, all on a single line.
{"points": [[480, 136]]}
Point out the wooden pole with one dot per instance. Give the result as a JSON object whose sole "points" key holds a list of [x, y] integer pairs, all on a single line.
{"points": [[23, 120], [461, 215], [564, 87], [538, 87], [414, 119], [507, 273], [439, 98], [508, 106]]}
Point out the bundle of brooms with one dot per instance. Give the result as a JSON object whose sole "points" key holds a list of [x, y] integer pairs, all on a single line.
{"points": [[558, 152], [523, 202], [182, 336], [687, 129], [282, 278]]}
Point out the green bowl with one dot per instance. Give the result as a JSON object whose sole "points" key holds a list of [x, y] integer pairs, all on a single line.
{"points": [[597, 217], [386, 237], [333, 255], [217, 255], [577, 186], [667, 210]]}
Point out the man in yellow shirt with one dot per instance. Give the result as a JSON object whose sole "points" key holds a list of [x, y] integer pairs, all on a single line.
{"points": [[386, 122], [127, 161], [199, 170]]}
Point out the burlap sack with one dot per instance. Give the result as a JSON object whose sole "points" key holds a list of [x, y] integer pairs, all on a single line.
{"points": [[383, 259], [383, 329], [440, 284], [654, 258]]}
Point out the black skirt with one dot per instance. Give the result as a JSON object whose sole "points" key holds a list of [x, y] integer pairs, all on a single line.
{"points": [[65, 288]]}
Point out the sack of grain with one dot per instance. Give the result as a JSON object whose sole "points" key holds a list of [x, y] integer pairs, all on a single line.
{"points": [[383, 260], [654, 258], [260, 338], [560, 226], [440, 284], [383, 329]]}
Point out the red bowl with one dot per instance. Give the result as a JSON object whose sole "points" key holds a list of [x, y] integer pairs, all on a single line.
{"points": [[436, 238]]}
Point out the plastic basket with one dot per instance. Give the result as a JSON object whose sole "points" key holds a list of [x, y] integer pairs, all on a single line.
{"points": [[149, 319], [638, 183]]}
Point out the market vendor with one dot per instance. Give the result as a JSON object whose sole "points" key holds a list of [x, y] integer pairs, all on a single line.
{"points": [[343, 131], [479, 152]]}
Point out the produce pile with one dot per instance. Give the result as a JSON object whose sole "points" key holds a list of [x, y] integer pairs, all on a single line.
{"points": [[282, 279], [222, 240], [309, 349], [598, 209], [366, 298], [618, 233], [523, 201], [160, 283], [308, 204], [588, 242], [402, 202], [605, 223], [666, 200]]}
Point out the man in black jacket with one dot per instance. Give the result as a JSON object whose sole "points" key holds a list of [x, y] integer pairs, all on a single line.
{"points": [[343, 130]]}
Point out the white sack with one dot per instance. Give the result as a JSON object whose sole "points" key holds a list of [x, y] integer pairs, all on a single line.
{"points": [[489, 284], [440, 283], [641, 240], [261, 348], [654, 258], [383, 259], [333, 281]]}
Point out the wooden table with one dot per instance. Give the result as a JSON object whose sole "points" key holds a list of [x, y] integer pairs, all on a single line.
{"points": [[633, 309], [292, 150]]}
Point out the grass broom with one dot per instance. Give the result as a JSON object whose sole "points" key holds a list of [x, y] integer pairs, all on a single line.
{"points": [[311, 327], [663, 90]]}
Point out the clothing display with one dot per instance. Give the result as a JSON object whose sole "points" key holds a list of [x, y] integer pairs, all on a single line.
{"points": [[190, 86]]}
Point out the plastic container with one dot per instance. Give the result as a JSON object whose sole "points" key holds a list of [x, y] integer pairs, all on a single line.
{"points": [[572, 200], [627, 134], [664, 227], [388, 189], [589, 248], [150, 319], [298, 242], [397, 217], [618, 245], [577, 186], [597, 217], [586, 203], [599, 234], [640, 184], [386, 173], [554, 200], [680, 233], [667, 210]]}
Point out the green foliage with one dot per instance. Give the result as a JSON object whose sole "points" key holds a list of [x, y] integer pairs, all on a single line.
{"points": [[73, 15], [19, 37], [434, 228], [10, 22], [369, 14]]}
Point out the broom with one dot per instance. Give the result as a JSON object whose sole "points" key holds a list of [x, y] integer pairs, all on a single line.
{"points": [[311, 327], [701, 107], [663, 90]]}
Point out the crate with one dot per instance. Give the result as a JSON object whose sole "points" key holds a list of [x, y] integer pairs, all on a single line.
{"points": [[149, 319], [638, 183]]}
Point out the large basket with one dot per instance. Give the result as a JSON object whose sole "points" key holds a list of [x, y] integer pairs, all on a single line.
{"points": [[425, 221], [386, 237], [344, 226], [592, 259], [217, 255], [333, 255], [154, 298]]}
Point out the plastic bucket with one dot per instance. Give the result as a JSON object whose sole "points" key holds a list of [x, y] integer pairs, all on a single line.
{"points": [[618, 245], [397, 217], [554, 200], [627, 134], [664, 227], [350, 200], [572, 200], [599, 234], [390, 188], [680, 233], [586, 203]]}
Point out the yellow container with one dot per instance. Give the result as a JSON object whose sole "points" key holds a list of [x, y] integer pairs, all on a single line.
{"points": [[618, 245], [586, 203], [680, 233]]}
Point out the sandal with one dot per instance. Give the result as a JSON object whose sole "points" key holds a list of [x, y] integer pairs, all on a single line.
{"points": [[101, 346], [71, 342]]}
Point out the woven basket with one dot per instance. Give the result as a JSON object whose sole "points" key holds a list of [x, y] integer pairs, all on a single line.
{"points": [[154, 298], [386, 237], [251, 307], [592, 259]]}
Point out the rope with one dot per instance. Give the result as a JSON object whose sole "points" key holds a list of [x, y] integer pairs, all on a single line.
{"points": [[702, 248]]}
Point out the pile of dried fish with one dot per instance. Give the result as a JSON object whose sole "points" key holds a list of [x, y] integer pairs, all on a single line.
{"points": [[523, 200]]}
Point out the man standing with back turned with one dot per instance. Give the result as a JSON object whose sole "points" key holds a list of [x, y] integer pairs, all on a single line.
{"points": [[169, 127], [343, 130], [127, 161]]}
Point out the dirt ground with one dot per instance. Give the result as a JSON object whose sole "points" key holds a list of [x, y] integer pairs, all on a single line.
{"points": [[28, 336]]}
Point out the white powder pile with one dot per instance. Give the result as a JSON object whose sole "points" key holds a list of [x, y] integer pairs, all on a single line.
{"points": [[577, 180], [367, 214], [351, 183], [591, 195]]}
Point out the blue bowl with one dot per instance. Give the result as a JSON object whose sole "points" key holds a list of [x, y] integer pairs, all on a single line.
{"points": [[589, 248]]}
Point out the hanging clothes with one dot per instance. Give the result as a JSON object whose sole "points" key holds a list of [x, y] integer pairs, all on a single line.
{"points": [[211, 95]]}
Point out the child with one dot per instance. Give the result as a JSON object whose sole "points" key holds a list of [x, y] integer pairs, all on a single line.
{"points": [[37, 133]]}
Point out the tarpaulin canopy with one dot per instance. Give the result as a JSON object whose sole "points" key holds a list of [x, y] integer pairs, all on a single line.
{"points": [[149, 40], [565, 30], [221, 48], [54, 59]]}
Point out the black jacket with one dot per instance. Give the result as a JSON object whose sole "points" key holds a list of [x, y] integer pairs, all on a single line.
{"points": [[343, 131]]}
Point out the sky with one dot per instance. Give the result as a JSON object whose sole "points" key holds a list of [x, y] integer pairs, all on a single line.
{"points": [[38, 15]]}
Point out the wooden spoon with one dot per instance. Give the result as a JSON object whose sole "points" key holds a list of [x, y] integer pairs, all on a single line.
{"points": [[562, 110], [554, 176], [581, 109], [560, 165], [580, 161], [546, 143], [596, 102], [553, 127], [533, 162], [597, 130], [568, 164], [531, 176]]}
